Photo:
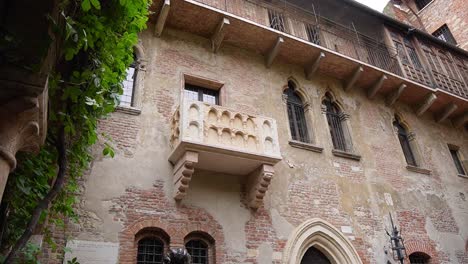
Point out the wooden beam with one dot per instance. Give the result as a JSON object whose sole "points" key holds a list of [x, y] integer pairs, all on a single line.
{"points": [[376, 87], [273, 52], [393, 97], [162, 18], [461, 120], [426, 104], [353, 78], [218, 35], [313, 67], [448, 110]]}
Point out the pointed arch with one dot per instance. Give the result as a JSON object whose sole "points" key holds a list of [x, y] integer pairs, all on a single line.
{"points": [[297, 88], [323, 236]]}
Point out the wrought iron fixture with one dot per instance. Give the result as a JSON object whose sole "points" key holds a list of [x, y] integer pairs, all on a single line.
{"points": [[398, 246]]}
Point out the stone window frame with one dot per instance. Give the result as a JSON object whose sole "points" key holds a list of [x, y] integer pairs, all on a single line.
{"points": [[461, 157], [309, 117], [351, 152], [138, 85], [203, 82], [414, 145], [205, 238], [152, 232]]}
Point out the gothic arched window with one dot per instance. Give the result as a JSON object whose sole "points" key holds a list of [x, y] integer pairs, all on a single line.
{"points": [[296, 114], [336, 119], [404, 137]]}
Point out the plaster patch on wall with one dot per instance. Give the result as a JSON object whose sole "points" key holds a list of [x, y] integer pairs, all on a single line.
{"points": [[336, 165], [347, 229], [388, 199], [282, 227], [265, 254]]}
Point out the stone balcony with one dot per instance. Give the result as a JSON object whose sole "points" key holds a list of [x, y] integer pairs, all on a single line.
{"points": [[215, 138]]}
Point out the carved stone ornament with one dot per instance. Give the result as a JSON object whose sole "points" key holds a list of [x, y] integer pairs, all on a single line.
{"points": [[177, 256]]}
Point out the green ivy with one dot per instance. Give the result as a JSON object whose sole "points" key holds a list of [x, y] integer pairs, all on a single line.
{"points": [[96, 39]]}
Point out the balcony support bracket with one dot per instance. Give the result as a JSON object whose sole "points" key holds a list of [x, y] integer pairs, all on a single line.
{"points": [[162, 18], [461, 120], [258, 183], [218, 35], [426, 104], [376, 87], [393, 97], [274, 52], [313, 67], [353, 78], [448, 110], [183, 171]]}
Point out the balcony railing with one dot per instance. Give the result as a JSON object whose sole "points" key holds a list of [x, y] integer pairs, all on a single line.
{"points": [[346, 40], [215, 138]]}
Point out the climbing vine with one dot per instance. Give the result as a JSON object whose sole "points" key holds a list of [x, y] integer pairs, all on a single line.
{"points": [[96, 39]]}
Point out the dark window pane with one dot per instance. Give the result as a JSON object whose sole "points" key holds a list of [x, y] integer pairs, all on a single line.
{"points": [[422, 3], [314, 256], [444, 34], [150, 251], [196, 93], [296, 116], [335, 123], [198, 250], [456, 160], [405, 143], [419, 258]]}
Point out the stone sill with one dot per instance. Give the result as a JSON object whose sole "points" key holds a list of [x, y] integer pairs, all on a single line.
{"points": [[347, 155], [463, 176], [306, 146], [418, 170], [128, 110]]}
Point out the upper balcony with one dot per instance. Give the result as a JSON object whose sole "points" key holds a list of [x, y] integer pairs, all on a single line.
{"points": [[215, 138], [400, 69]]}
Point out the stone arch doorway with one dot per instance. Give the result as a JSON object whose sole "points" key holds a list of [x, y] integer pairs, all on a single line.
{"points": [[318, 240]]}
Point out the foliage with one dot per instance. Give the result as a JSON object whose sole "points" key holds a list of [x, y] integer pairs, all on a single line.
{"points": [[96, 40]]}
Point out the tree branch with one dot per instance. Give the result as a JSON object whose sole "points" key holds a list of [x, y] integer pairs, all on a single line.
{"points": [[45, 202]]}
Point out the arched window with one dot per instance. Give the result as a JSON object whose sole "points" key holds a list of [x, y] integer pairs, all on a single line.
{"points": [[314, 256], [150, 251], [419, 258], [336, 119], [198, 250], [404, 138], [127, 98], [296, 114]]}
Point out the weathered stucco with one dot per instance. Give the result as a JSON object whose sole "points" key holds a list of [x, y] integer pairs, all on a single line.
{"points": [[354, 196]]}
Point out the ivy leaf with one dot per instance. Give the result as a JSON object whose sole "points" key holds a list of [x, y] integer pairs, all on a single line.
{"points": [[85, 5], [96, 4]]}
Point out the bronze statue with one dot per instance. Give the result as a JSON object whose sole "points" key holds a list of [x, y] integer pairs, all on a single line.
{"points": [[177, 256]]}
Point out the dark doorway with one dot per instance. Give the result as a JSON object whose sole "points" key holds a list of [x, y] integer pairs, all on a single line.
{"points": [[314, 256]]}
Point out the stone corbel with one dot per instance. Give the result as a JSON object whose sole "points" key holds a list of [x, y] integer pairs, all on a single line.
{"points": [[183, 171], [258, 183]]}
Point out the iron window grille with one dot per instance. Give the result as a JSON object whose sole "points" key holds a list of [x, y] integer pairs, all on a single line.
{"points": [[444, 34], [335, 120], [404, 139], [198, 251], [296, 116], [197, 93], [422, 3], [456, 160], [313, 33], [416, 258], [126, 99], [150, 251], [277, 20]]}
